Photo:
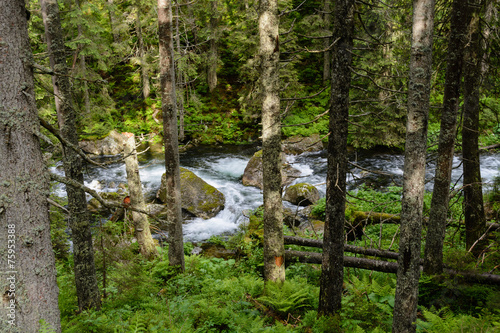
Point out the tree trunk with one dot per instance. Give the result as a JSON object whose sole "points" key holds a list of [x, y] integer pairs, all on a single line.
{"points": [[212, 56], [475, 221], [327, 55], [112, 22], [141, 223], [332, 272], [170, 136], [405, 307], [28, 283], [180, 76], [442, 179], [83, 68], [274, 268], [144, 68], [79, 222]]}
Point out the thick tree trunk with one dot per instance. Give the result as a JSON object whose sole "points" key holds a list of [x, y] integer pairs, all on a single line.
{"points": [[28, 283], [212, 55], [141, 223], [405, 307], [475, 221], [170, 136], [79, 222], [442, 179], [146, 89], [274, 268], [332, 272]]}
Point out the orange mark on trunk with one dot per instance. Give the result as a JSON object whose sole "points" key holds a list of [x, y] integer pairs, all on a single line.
{"points": [[279, 261]]}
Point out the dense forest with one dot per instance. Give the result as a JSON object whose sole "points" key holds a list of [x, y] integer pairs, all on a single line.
{"points": [[419, 79]]}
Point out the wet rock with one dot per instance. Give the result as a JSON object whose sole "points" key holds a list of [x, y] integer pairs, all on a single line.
{"points": [[110, 145], [198, 197], [302, 194], [253, 172], [298, 144]]}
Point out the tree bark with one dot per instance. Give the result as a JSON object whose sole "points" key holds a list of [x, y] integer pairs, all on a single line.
{"points": [[274, 268], [327, 20], [332, 272], [475, 220], [442, 179], [405, 307], [180, 76], [28, 282], [146, 89], [83, 68], [83, 253], [212, 55], [170, 136], [141, 223]]}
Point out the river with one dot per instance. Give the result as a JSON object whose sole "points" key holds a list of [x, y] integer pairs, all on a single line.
{"points": [[222, 167]]}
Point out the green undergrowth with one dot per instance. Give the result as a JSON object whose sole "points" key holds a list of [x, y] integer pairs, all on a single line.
{"points": [[219, 295]]}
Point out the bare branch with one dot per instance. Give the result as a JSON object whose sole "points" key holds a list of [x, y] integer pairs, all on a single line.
{"points": [[312, 121], [93, 193], [306, 97]]}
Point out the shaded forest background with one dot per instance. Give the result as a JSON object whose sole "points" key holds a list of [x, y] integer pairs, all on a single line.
{"points": [[112, 50]]}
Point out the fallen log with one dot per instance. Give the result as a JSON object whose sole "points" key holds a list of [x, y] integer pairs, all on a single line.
{"points": [[387, 266], [290, 240], [364, 218]]}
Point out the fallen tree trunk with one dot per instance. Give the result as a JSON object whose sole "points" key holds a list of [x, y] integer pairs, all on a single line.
{"points": [[386, 266], [364, 218], [347, 248]]}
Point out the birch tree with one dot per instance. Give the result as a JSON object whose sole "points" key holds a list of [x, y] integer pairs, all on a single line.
{"points": [[405, 307], [141, 223], [269, 53]]}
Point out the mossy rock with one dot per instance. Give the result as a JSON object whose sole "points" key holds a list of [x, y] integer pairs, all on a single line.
{"points": [[199, 198], [302, 194], [253, 172]]}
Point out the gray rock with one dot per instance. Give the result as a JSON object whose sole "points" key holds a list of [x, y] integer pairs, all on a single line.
{"points": [[198, 197], [110, 145], [253, 172], [298, 144]]}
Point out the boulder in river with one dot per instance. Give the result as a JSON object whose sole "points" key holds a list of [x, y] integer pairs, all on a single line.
{"points": [[299, 144], [198, 197], [302, 194], [110, 145], [253, 172]]}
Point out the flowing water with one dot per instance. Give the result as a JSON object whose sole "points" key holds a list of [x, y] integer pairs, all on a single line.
{"points": [[223, 168]]}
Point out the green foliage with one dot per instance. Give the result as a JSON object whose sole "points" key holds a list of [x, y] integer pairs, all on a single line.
{"points": [[292, 296], [445, 320], [369, 302], [45, 327]]}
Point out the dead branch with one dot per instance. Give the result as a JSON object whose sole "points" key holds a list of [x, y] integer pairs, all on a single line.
{"points": [[306, 97], [309, 122], [96, 195]]}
